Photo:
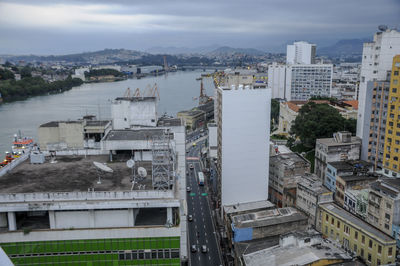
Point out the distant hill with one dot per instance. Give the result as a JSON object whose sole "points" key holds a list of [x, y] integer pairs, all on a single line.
{"points": [[106, 56], [344, 47], [172, 50], [230, 50]]}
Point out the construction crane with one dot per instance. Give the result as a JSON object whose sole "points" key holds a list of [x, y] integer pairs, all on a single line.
{"points": [[127, 93], [153, 91]]}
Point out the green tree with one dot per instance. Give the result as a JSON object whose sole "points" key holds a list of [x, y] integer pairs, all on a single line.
{"points": [[26, 72], [274, 111], [319, 121], [6, 74]]}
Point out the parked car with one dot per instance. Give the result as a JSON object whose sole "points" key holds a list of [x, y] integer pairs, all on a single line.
{"points": [[188, 189], [190, 217]]}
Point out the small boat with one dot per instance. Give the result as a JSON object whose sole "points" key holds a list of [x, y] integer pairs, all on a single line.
{"points": [[21, 144]]}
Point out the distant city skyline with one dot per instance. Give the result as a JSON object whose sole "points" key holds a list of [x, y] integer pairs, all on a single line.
{"points": [[46, 27]]}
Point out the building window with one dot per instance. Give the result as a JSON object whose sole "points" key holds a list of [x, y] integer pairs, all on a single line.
{"points": [[355, 248], [332, 221], [363, 239], [369, 257], [379, 249], [378, 261], [370, 244], [347, 229], [362, 252], [356, 235], [390, 251], [327, 217], [338, 224]]}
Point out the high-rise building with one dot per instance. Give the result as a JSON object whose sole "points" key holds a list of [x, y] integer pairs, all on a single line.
{"points": [[300, 53], [300, 82], [392, 134], [373, 138], [243, 143], [376, 62], [306, 81]]}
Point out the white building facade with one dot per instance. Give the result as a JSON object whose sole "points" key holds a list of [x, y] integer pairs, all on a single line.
{"points": [[131, 112], [377, 60], [300, 53], [243, 143], [277, 80], [306, 81]]}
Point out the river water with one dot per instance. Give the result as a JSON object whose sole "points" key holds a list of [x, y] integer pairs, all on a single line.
{"points": [[176, 90]]}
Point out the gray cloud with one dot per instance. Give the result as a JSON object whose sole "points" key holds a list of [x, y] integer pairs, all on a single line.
{"points": [[45, 26]]}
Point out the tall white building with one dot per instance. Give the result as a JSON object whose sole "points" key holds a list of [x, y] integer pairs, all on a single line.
{"points": [[300, 53], [377, 60], [277, 80], [243, 143]]}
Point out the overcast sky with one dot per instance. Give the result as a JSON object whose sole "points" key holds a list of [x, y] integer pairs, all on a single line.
{"points": [[69, 26]]}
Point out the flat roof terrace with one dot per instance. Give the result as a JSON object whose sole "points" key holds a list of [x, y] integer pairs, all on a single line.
{"points": [[72, 174]]}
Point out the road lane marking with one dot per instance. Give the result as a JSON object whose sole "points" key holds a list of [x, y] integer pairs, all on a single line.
{"points": [[209, 257]]}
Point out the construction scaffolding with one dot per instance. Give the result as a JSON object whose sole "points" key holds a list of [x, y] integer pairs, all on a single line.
{"points": [[163, 176]]}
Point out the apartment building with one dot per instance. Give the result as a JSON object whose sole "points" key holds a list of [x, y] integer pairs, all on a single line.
{"points": [[384, 206], [311, 193], [339, 148], [392, 134], [376, 63], [372, 245], [285, 171]]}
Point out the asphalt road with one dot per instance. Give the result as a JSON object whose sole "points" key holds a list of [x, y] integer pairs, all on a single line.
{"points": [[201, 229]]}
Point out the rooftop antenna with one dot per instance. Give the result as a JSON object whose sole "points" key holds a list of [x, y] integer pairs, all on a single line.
{"points": [[101, 167], [131, 164]]}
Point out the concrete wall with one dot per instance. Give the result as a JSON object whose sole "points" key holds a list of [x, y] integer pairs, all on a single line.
{"points": [[126, 114], [120, 114], [143, 113], [245, 145], [67, 134], [72, 134], [76, 234], [92, 219], [48, 135]]}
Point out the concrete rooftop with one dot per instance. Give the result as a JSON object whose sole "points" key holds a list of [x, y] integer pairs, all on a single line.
{"points": [[69, 174], [268, 217], [134, 134]]}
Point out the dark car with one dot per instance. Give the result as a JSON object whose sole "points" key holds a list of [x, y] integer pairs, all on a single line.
{"points": [[190, 217]]}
